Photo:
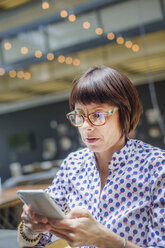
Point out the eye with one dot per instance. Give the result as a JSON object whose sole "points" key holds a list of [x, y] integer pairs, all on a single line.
{"points": [[98, 115]]}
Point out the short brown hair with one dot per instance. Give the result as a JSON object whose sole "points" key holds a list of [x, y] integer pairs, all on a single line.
{"points": [[107, 85]]}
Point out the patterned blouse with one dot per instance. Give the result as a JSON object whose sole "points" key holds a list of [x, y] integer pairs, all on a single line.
{"points": [[132, 202]]}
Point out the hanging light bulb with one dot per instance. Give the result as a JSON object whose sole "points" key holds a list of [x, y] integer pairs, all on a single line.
{"points": [[128, 43], [38, 54], [12, 73], [76, 62], [20, 74], [7, 45], [24, 50], [120, 40], [61, 59], [86, 25], [110, 36], [135, 48], [72, 18], [2, 71], [68, 60], [99, 31], [50, 56], [27, 75], [45, 4], [63, 13]]}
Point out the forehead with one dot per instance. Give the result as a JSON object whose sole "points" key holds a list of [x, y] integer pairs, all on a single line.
{"points": [[92, 106]]}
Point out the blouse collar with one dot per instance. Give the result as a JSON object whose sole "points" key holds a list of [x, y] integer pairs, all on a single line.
{"points": [[121, 157]]}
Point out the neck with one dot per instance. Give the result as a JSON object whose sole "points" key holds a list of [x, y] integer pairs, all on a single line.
{"points": [[104, 157]]}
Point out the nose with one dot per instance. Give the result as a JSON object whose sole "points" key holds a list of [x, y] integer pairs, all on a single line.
{"points": [[87, 124]]}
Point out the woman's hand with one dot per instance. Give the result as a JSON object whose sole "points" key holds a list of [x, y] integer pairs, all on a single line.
{"points": [[79, 228], [34, 222]]}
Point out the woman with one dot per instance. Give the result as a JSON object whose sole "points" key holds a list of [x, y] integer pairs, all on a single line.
{"points": [[114, 189]]}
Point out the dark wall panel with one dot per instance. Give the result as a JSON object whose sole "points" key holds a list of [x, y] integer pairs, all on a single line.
{"points": [[36, 122]]}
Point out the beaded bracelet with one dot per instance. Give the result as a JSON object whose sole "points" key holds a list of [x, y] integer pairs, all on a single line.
{"points": [[23, 235]]}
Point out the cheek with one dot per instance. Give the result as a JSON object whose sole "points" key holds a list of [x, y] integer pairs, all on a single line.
{"points": [[114, 127]]}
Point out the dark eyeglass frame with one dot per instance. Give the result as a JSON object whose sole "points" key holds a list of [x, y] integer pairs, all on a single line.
{"points": [[106, 114]]}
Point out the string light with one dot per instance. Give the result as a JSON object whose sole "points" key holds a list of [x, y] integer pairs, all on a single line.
{"points": [[45, 5], [68, 60], [27, 75], [135, 48], [110, 36], [86, 25], [38, 54], [99, 31], [72, 18], [2, 71], [20, 74], [63, 13], [7, 45], [12, 73], [50, 56], [76, 62], [61, 59], [24, 50], [128, 44], [120, 40]]}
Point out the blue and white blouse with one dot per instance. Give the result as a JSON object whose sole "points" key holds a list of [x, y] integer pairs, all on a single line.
{"points": [[132, 202]]}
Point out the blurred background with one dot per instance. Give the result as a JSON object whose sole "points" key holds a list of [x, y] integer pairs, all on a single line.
{"points": [[44, 46]]}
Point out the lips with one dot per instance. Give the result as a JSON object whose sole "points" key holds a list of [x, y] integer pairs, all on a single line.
{"points": [[92, 140]]}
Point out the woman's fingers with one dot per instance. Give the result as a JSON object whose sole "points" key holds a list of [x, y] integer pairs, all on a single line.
{"points": [[79, 228], [37, 228], [79, 213], [64, 224], [29, 215]]}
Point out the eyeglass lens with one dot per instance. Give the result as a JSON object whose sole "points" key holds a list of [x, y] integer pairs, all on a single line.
{"points": [[95, 118]]}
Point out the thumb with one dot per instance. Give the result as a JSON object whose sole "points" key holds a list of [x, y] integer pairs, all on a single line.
{"points": [[78, 212]]}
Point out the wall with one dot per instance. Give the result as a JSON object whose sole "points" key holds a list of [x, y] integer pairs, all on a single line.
{"points": [[34, 121], [148, 129]]}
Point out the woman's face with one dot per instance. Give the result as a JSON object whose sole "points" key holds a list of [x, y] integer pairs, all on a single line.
{"points": [[100, 139]]}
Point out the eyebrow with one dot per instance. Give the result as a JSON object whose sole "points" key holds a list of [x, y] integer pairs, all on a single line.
{"points": [[96, 110]]}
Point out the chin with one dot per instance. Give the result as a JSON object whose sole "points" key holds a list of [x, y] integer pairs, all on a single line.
{"points": [[94, 148]]}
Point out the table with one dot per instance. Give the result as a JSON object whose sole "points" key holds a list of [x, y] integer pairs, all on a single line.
{"points": [[9, 197], [11, 206]]}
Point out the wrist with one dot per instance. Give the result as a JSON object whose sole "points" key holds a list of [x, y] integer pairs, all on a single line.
{"points": [[27, 237], [29, 233], [108, 239]]}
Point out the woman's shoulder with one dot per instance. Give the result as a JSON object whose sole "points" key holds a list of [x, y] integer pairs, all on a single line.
{"points": [[148, 151]]}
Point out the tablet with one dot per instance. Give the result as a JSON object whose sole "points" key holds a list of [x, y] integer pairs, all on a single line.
{"points": [[41, 203]]}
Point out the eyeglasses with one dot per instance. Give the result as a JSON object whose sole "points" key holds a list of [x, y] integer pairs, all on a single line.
{"points": [[96, 118]]}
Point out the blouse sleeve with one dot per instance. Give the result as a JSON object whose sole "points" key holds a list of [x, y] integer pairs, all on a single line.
{"points": [[156, 228], [58, 190]]}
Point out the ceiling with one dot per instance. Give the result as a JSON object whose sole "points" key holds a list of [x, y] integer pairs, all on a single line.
{"points": [[68, 49], [10, 4]]}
